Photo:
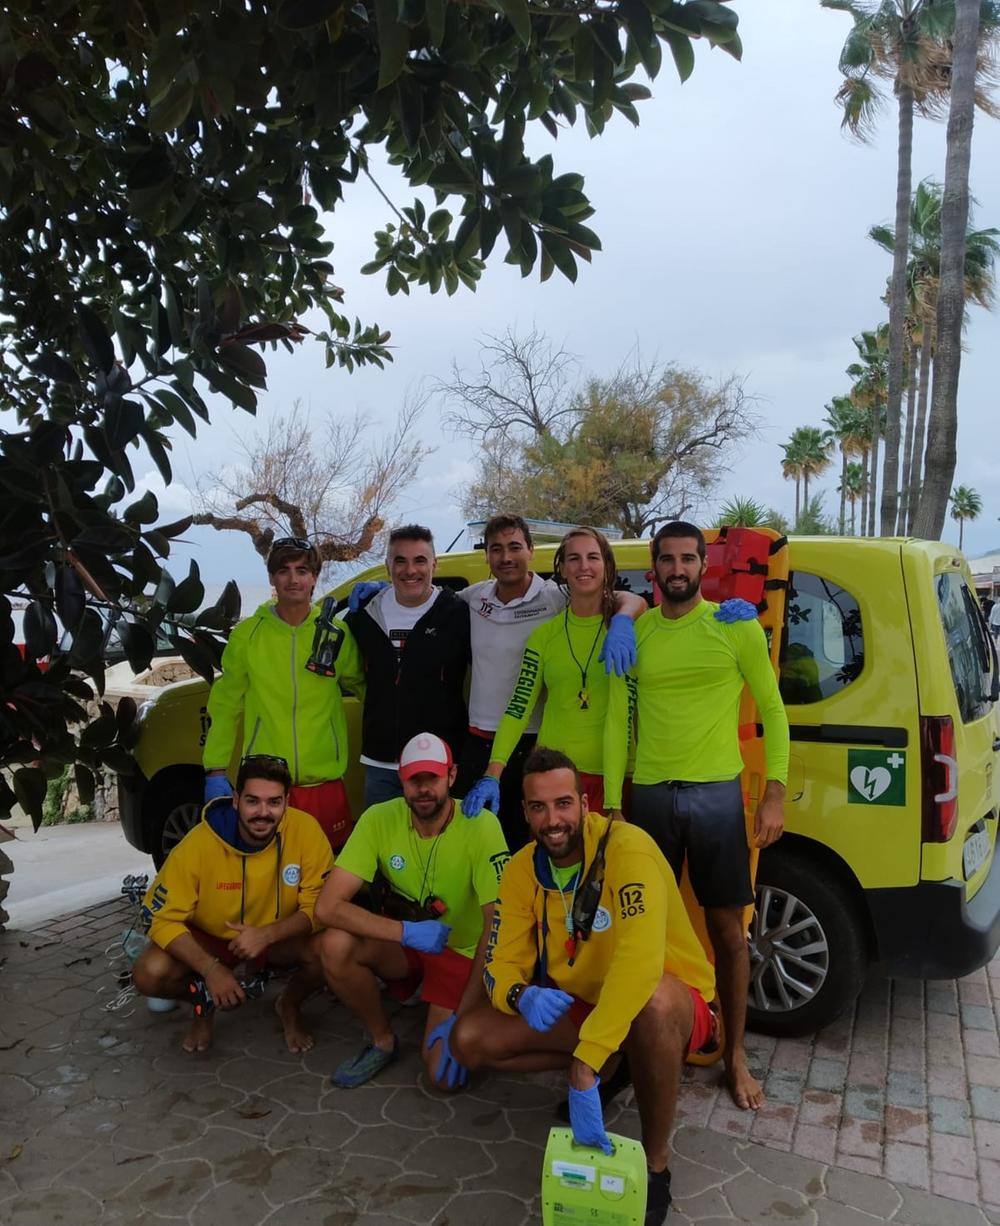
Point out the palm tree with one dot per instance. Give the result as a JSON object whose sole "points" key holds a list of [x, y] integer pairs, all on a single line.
{"points": [[965, 504], [923, 275], [848, 426], [791, 468], [741, 512], [905, 45], [852, 486], [870, 377], [816, 446]]}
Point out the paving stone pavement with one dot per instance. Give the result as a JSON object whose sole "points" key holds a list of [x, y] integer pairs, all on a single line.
{"points": [[104, 1120]]}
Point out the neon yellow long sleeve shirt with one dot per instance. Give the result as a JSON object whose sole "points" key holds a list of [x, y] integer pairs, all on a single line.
{"points": [[560, 657], [688, 678]]}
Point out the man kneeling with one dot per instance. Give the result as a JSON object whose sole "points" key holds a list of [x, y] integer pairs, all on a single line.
{"points": [[239, 888], [437, 876], [591, 952]]}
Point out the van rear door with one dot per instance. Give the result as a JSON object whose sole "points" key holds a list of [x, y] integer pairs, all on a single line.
{"points": [[957, 685]]}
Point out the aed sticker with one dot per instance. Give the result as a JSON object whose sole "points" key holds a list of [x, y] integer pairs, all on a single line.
{"points": [[613, 1185], [602, 919], [397, 863], [876, 776], [574, 1174], [291, 874]]}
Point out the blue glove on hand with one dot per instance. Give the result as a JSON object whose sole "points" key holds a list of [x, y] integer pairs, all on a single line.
{"points": [[216, 786], [541, 1008], [736, 610], [482, 795], [449, 1070], [619, 651], [586, 1118], [361, 591], [425, 936]]}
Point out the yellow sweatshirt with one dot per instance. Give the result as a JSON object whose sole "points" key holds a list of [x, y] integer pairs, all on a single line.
{"points": [[641, 929], [208, 882]]}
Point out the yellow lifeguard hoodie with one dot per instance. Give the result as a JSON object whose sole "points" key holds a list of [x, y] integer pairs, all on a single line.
{"points": [[641, 929], [209, 881]]}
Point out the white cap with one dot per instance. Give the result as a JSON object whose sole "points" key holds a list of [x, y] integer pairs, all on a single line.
{"points": [[424, 753]]}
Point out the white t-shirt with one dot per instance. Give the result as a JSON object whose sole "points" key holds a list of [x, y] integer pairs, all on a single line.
{"points": [[499, 632], [399, 620], [995, 617]]}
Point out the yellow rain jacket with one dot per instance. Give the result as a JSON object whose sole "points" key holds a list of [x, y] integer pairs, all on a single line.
{"points": [[208, 882], [641, 929]]}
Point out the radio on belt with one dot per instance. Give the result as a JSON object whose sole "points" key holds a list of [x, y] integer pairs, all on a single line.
{"points": [[584, 1185]]}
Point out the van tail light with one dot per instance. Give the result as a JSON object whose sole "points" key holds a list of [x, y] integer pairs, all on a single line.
{"points": [[939, 775]]}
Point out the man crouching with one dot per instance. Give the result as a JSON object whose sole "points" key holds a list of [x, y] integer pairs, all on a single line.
{"points": [[239, 889], [591, 953]]}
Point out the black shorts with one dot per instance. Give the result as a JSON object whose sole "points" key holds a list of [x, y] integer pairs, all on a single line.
{"points": [[705, 822]]}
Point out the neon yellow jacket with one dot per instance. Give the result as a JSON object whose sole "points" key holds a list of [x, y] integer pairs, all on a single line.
{"points": [[641, 929], [286, 710], [206, 882]]}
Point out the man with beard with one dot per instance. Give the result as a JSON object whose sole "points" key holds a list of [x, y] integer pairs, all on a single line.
{"points": [[591, 953], [690, 671], [435, 882], [239, 888]]}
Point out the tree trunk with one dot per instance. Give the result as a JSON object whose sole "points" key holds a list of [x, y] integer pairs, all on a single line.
{"points": [[915, 480], [864, 491], [939, 461], [873, 468], [798, 511], [843, 491], [911, 404], [897, 309], [854, 525], [805, 490], [961, 534]]}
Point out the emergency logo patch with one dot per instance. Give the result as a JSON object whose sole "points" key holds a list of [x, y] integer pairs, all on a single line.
{"points": [[632, 899], [499, 861], [291, 874], [602, 919], [876, 776], [397, 863]]}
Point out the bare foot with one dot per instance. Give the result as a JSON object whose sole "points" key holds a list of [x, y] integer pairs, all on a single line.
{"points": [[297, 1038], [199, 1037], [743, 1086]]}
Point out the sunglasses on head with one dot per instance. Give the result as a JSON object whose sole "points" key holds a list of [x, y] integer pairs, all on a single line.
{"points": [[264, 759], [291, 542]]}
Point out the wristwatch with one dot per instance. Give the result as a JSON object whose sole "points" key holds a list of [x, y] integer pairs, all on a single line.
{"points": [[514, 995]]}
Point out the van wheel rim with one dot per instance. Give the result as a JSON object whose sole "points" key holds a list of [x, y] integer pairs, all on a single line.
{"points": [[789, 954], [179, 822]]}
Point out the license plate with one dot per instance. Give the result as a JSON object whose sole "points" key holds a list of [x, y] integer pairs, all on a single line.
{"points": [[975, 852]]}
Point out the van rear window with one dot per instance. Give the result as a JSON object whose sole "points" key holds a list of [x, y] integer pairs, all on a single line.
{"points": [[968, 647], [823, 646]]}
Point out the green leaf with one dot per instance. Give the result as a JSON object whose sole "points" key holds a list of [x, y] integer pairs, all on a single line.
{"points": [[122, 422], [519, 16], [301, 14], [52, 366], [40, 630], [96, 338], [246, 363], [393, 41], [435, 12], [30, 788], [143, 511], [139, 645], [188, 594], [682, 51], [83, 777], [196, 656], [171, 111], [237, 392]]}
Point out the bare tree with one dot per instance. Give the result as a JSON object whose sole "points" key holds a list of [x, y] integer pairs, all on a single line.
{"points": [[522, 388], [337, 489]]}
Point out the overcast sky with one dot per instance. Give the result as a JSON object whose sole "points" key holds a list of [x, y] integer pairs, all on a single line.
{"points": [[734, 225]]}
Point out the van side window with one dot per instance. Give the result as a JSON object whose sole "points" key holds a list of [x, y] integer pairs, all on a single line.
{"points": [[968, 648], [637, 581], [822, 648]]}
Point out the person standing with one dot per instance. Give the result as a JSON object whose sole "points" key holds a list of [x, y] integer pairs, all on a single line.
{"points": [[412, 640], [285, 709], [995, 621], [689, 675]]}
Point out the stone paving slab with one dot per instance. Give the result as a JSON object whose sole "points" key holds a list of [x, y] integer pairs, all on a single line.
{"points": [[104, 1120]]}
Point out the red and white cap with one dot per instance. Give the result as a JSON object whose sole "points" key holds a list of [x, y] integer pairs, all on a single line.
{"points": [[424, 753]]}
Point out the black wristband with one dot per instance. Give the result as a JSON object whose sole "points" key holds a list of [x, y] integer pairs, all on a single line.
{"points": [[514, 995]]}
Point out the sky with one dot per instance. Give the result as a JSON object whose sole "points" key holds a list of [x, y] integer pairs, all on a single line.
{"points": [[734, 225]]}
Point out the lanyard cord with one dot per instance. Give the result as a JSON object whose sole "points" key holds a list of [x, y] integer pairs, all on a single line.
{"points": [[568, 911], [584, 668], [429, 864]]}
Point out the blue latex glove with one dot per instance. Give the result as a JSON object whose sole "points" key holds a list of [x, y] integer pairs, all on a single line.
{"points": [[541, 1008], [361, 591], [619, 651], [216, 786], [736, 610], [449, 1070], [485, 794], [586, 1118], [425, 936]]}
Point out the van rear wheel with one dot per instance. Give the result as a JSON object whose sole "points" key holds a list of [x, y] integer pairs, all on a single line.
{"points": [[808, 954]]}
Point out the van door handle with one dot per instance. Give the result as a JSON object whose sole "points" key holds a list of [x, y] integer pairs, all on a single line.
{"points": [[996, 744]]}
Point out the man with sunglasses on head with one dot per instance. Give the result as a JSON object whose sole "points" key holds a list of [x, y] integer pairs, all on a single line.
{"points": [[239, 889], [285, 708], [434, 880]]}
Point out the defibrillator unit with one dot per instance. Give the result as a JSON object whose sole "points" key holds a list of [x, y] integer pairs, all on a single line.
{"points": [[585, 1185]]}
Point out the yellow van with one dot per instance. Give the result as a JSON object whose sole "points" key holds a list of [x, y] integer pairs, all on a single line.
{"points": [[890, 679]]}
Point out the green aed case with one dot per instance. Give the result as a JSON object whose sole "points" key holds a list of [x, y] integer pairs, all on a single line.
{"points": [[585, 1185]]}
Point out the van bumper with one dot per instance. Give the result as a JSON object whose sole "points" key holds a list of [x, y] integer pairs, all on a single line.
{"points": [[930, 931], [131, 790]]}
